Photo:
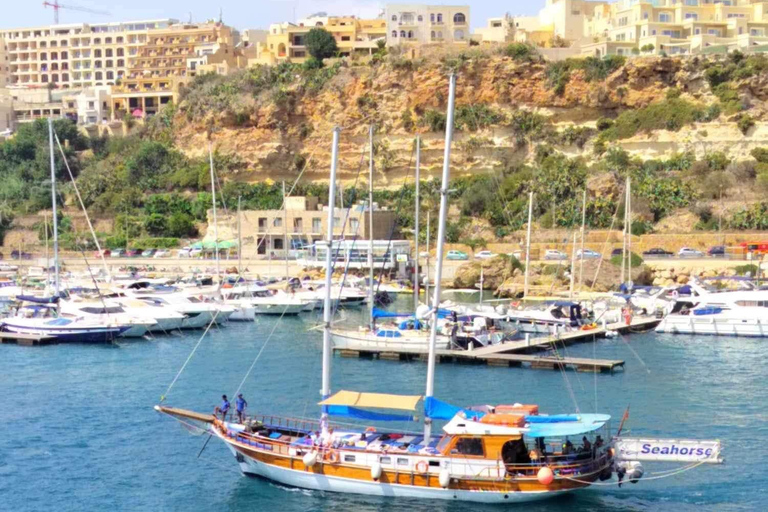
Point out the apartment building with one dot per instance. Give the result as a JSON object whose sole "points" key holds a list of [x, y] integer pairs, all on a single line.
{"points": [[5, 67], [74, 56], [285, 41], [680, 27], [160, 65], [7, 119], [558, 22], [497, 30], [418, 24]]}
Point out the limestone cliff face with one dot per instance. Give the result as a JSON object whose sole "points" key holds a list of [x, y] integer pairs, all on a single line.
{"points": [[273, 138]]}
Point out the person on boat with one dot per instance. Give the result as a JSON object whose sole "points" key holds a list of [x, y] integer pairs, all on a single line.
{"points": [[224, 409], [240, 405], [568, 447], [586, 445]]}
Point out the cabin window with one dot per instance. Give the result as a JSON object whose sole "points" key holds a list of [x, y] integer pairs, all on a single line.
{"points": [[349, 458], [385, 460], [469, 446], [403, 461]]}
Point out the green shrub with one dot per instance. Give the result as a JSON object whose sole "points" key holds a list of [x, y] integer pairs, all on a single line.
{"points": [[181, 225], [745, 123], [717, 75], [634, 258], [520, 52], [320, 44], [729, 98], [435, 120], [743, 270], [407, 120], [154, 243], [670, 114], [604, 123], [647, 48], [558, 74], [760, 154], [476, 117]]}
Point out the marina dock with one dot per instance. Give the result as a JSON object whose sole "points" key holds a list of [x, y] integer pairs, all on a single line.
{"points": [[516, 353], [28, 340]]}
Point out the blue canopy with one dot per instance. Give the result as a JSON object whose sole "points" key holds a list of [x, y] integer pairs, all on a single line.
{"points": [[411, 323], [361, 414], [556, 418], [585, 423], [437, 410], [380, 313], [38, 300]]}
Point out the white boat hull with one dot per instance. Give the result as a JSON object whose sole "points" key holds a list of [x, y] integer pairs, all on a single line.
{"points": [[243, 313], [314, 481], [165, 325], [136, 331], [278, 309], [363, 339], [197, 320], [711, 324]]}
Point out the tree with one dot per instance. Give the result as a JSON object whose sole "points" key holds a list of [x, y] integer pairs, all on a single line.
{"points": [[155, 224], [181, 225], [320, 44]]}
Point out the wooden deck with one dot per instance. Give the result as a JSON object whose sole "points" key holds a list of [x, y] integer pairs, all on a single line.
{"points": [[516, 353], [28, 340]]}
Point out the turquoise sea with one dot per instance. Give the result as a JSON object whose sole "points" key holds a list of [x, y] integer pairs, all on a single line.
{"points": [[78, 431]]}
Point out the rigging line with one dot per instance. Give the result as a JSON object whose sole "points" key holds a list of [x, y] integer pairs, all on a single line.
{"points": [[607, 238], [189, 358], [594, 356], [261, 350], [657, 477], [634, 352], [82, 204], [568, 385]]}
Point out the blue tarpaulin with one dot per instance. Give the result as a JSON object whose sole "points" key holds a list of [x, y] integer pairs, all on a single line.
{"points": [[437, 410], [361, 414], [380, 313], [585, 423], [38, 300], [556, 418]]}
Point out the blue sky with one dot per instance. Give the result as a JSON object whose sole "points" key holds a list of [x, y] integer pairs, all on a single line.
{"points": [[238, 13]]}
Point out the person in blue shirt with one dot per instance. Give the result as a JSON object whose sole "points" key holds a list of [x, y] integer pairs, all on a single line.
{"points": [[224, 409], [240, 405]]}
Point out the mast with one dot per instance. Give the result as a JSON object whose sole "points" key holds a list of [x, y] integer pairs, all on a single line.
{"points": [[528, 244], [55, 217], [629, 233], [326, 389], [416, 229], [285, 231], [215, 224], [583, 235], [440, 246], [426, 284], [573, 265], [239, 240], [47, 255], [624, 237], [370, 226], [481, 283]]}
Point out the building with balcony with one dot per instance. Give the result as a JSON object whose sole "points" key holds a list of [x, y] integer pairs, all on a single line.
{"points": [[160, 66], [5, 67], [285, 41], [497, 30], [559, 23], [7, 119], [418, 24], [76, 55]]}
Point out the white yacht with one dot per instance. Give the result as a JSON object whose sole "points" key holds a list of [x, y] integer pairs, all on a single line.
{"points": [[555, 316], [167, 319], [197, 313], [108, 314], [262, 301]]}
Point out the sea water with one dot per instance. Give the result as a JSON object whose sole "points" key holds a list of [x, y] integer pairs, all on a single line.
{"points": [[79, 432]]}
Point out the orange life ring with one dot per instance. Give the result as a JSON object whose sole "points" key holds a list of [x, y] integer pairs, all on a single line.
{"points": [[333, 456], [422, 466], [370, 429]]}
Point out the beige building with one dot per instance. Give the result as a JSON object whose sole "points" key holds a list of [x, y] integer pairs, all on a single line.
{"points": [[74, 56], [679, 27], [5, 68], [497, 30], [160, 66], [285, 41], [7, 119], [419, 24], [560, 22]]}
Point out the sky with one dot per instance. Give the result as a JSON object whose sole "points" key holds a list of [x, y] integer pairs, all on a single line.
{"points": [[240, 14]]}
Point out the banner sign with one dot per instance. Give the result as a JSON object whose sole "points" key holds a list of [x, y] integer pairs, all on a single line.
{"points": [[402, 258], [667, 450]]}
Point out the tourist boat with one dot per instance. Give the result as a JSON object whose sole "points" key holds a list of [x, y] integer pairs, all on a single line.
{"points": [[737, 313], [496, 455]]}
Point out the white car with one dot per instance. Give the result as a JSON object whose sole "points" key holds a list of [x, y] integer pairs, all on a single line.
{"points": [[195, 253], [589, 254], [162, 253], [519, 255], [687, 252], [184, 252], [553, 254], [484, 255]]}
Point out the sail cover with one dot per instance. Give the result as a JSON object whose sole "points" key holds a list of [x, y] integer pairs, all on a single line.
{"points": [[438, 410], [373, 400], [380, 313]]}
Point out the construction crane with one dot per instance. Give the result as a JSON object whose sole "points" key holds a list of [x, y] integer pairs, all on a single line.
{"points": [[56, 6]]}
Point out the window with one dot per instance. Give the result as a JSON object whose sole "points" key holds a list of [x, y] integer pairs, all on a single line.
{"points": [[439, 18], [336, 221], [316, 225], [410, 34], [691, 16], [402, 33], [394, 33], [432, 17], [354, 225], [420, 18], [664, 17], [278, 222], [277, 243], [469, 446], [692, 3], [394, 17], [262, 223], [349, 458], [458, 35], [402, 461], [459, 18], [345, 38], [385, 460]]}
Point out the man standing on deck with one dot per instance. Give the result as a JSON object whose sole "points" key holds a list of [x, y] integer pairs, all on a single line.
{"points": [[240, 405], [224, 409]]}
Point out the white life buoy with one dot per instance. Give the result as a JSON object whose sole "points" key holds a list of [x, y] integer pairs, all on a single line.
{"points": [[422, 466]]}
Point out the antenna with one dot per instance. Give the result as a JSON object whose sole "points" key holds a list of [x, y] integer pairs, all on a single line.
{"points": [[221, 15]]}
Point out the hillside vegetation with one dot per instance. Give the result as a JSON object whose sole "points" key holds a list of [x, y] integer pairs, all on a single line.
{"points": [[522, 124]]}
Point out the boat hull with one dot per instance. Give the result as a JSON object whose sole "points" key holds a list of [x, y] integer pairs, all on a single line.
{"points": [[106, 335], [689, 324], [278, 309], [197, 320], [243, 313]]}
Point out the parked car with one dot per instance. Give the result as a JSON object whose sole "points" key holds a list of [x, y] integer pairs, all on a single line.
{"points": [[424, 254], [456, 255], [658, 252], [133, 253], [162, 253], [148, 253], [103, 253], [518, 254], [553, 254], [484, 255], [687, 252], [617, 252], [117, 253], [717, 251], [588, 254], [183, 252], [195, 252]]}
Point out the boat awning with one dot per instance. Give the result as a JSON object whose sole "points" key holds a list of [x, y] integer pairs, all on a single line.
{"points": [[380, 313], [373, 400], [583, 424]]}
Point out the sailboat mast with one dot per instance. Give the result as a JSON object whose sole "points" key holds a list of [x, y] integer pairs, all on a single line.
{"points": [[629, 230], [370, 225], [285, 231], [239, 240], [583, 235], [426, 284], [215, 223], [416, 229], [624, 237], [53, 202], [47, 255], [326, 382], [440, 247], [573, 265], [528, 244]]}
